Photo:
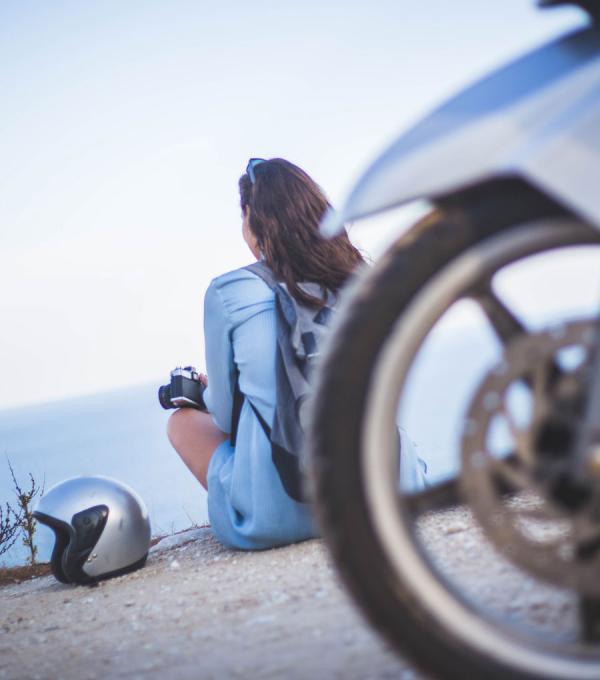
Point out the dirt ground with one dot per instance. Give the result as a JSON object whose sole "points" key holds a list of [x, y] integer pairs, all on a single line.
{"points": [[198, 610], [194, 611]]}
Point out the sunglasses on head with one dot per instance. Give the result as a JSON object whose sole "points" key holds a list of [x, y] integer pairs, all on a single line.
{"points": [[252, 163]]}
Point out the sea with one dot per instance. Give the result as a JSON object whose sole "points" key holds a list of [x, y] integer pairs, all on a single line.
{"points": [[122, 434], [119, 434]]}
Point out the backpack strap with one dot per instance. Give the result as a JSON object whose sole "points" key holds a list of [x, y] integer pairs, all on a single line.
{"points": [[261, 420], [263, 272], [238, 401], [282, 296], [236, 411]]}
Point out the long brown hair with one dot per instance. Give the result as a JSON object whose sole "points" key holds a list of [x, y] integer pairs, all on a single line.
{"points": [[285, 209]]}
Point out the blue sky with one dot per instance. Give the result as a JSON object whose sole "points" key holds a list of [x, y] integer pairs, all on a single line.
{"points": [[125, 127]]}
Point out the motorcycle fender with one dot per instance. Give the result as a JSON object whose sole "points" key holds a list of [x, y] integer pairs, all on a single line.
{"points": [[538, 118]]}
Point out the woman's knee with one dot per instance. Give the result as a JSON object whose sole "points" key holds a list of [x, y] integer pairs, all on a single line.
{"points": [[179, 425], [187, 427]]}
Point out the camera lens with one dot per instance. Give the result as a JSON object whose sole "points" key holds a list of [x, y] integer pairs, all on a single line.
{"points": [[164, 396]]}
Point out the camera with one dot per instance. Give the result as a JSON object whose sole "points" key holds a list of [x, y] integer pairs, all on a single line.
{"points": [[184, 391]]}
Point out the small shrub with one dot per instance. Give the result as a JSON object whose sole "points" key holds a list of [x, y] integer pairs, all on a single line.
{"points": [[10, 523], [27, 522]]}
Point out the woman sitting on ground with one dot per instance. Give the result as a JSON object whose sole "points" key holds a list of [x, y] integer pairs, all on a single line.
{"points": [[247, 504]]}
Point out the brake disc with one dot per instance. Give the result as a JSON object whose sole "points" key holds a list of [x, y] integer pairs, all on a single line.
{"points": [[516, 469]]}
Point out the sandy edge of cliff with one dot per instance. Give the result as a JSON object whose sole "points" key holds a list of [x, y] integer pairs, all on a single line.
{"points": [[199, 610]]}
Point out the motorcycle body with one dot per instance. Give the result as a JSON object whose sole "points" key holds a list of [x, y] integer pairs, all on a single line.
{"points": [[512, 168]]}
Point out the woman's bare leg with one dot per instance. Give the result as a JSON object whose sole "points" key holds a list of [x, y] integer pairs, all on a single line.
{"points": [[195, 437]]}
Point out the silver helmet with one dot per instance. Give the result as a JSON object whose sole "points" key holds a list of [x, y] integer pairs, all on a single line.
{"points": [[101, 528]]}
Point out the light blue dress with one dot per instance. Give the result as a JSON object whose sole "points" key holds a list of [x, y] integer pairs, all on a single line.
{"points": [[248, 507]]}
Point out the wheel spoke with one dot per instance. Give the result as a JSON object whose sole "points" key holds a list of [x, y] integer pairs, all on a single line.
{"points": [[442, 496], [541, 381], [521, 438], [509, 474], [503, 321]]}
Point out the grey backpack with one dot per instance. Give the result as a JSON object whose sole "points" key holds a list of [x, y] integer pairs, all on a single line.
{"points": [[300, 334]]}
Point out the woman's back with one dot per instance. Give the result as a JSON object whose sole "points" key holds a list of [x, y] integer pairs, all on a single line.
{"points": [[248, 506]]}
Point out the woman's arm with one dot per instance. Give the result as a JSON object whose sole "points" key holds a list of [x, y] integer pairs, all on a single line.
{"points": [[239, 334], [220, 366]]}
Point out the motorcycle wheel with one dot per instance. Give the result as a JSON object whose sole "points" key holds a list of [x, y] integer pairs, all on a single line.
{"points": [[367, 523]]}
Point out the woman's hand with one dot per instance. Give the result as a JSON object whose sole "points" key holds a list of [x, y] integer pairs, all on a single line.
{"points": [[203, 378]]}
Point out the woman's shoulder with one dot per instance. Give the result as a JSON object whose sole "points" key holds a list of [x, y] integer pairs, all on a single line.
{"points": [[241, 280], [240, 289]]}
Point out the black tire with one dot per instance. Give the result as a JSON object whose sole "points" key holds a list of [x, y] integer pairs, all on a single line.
{"points": [[377, 301]]}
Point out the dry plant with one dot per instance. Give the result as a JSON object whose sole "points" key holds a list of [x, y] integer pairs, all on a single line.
{"points": [[10, 523], [26, 521]]}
